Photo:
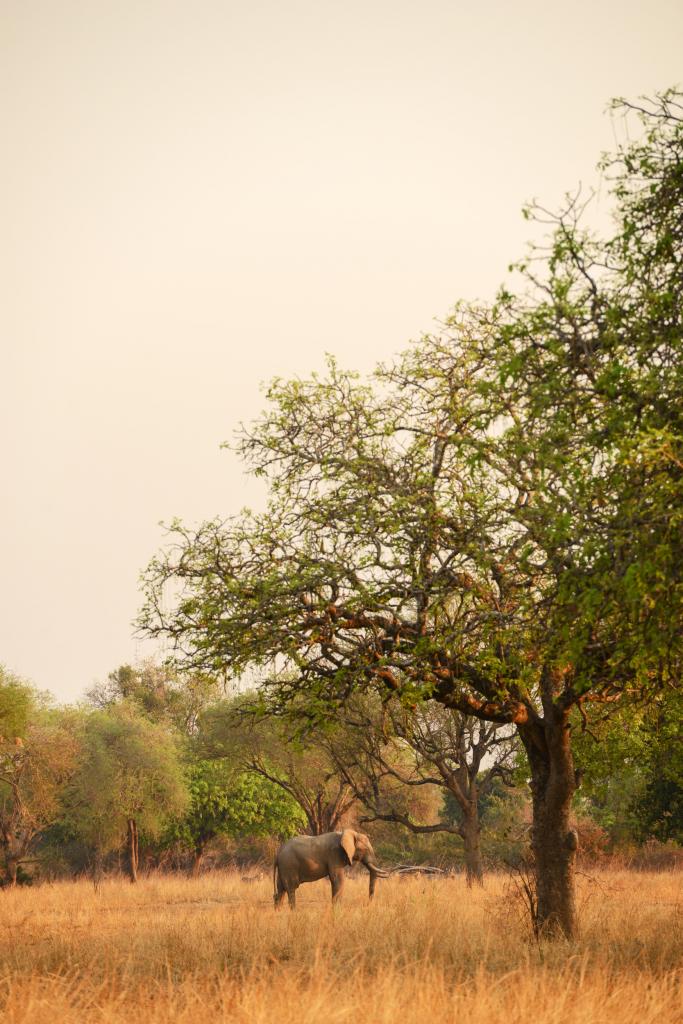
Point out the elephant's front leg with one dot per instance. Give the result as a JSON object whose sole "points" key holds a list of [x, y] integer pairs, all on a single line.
{"points": [[373, 883], [337, 883]]}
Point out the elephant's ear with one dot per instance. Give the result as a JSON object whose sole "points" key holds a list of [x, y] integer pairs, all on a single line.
{"points": [[348, 843]]}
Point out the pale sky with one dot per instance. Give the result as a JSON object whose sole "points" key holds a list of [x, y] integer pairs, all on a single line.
{"points": [[198, 196]]}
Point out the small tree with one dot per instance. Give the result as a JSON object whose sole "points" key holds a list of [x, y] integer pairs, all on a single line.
{"points": [[270, 749], [37, 757], [129, 778], [226, 802]]}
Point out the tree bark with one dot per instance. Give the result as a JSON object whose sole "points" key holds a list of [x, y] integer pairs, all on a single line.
{"points": [[133, 850], [470, 831], [553, 841]]}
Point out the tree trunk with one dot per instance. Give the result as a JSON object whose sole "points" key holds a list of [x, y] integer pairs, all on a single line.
{"points": [[322, 818], [97, 869], [12, 866], [315, 827], [553, 841], [474, 868], [133, 850], [197, 858], [14, 850]]}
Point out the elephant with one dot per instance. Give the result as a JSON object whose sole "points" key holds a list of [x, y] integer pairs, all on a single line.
{"points": [[308, 858]]}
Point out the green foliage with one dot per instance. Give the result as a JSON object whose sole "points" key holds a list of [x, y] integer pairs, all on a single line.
{"points": [[159, 692], [658, 806], [226, 802], [17, 699], [611, 755], [129, 768], [659, 809], [632, 769]]}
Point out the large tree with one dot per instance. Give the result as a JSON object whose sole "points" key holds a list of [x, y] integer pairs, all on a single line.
{"points": [[493, 523]]}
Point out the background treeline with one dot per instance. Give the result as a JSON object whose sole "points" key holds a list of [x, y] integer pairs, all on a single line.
{"points": [[160, 770]]}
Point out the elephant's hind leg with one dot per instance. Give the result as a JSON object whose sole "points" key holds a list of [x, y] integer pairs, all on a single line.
{"points": [[291, 896], [278, 897]]}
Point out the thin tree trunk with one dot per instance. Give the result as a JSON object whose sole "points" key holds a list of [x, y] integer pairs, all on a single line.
{"points": [[474, 868], [14, 851], [197, 858], [553, 841], [133, 850], [97, 869], [12, 866]]}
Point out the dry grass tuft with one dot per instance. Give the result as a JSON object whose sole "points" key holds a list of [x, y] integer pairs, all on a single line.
{"points": [[184, 951]]}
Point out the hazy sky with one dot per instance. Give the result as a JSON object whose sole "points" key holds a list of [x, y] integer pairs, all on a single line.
{"points": [[199, 196]]}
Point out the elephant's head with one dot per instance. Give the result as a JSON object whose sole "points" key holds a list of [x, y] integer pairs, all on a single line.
{"points": [[358, 849]]}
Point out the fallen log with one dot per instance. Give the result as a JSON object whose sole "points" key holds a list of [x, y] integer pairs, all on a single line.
{"points": [[417, 869]]}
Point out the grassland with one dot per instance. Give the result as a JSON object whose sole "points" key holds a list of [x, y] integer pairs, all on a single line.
{"points": [[426, 952]]}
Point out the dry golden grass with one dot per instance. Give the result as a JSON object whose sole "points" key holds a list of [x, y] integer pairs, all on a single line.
{"points": [[426, 952]]}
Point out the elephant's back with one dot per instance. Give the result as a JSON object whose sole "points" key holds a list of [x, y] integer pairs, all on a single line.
{"points": [[306, 846], [304, 858]]}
